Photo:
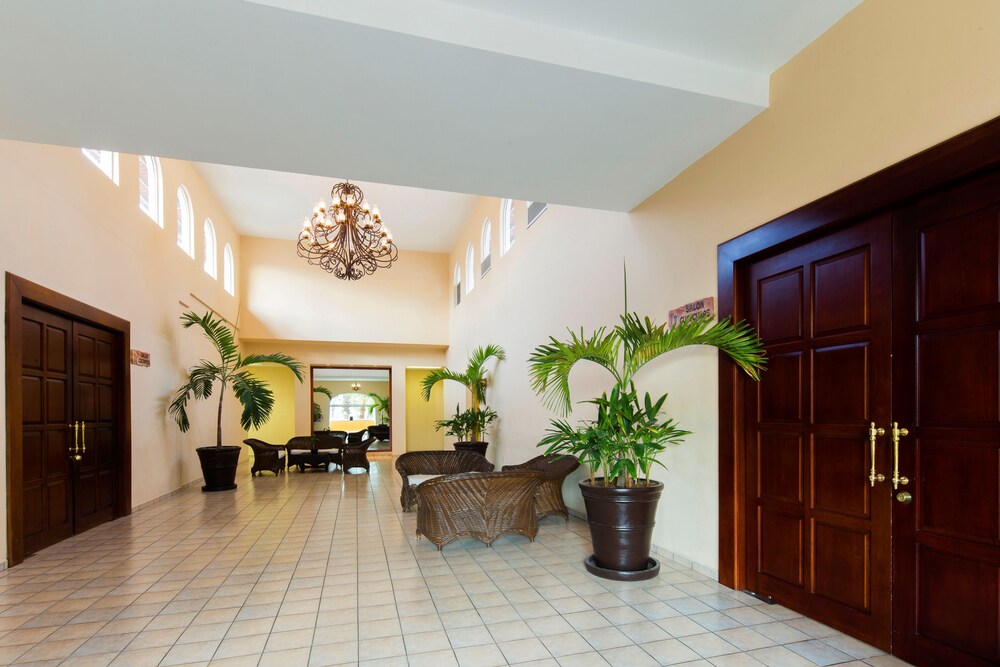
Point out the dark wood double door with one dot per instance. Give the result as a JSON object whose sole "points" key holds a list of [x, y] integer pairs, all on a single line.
{"points": [[70, 394], [894, 319]]}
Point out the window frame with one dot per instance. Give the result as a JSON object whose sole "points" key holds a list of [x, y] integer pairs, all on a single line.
{"points": [[185, 221], [228, 270], [211, 242], [154, 188], [458, 284], [106, 161], [507, 227], [470, 268], [485, 254]]}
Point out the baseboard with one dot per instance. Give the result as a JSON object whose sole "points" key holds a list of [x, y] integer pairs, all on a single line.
{"points": [[711, 573], [168, 494]]}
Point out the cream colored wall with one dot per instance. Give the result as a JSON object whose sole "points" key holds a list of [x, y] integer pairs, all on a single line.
{"points": [[68, 227], [397, 357], [286, 298], [890, 79], [281, 425], [421, 415]]}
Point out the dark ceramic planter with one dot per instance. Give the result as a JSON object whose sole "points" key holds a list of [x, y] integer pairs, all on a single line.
{"points": [[477, 447], [621, 529], [218, 467]]}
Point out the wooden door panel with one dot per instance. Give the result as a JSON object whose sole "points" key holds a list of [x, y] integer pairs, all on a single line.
{"points": [[946, 542], [818, 540], [46, 482]]}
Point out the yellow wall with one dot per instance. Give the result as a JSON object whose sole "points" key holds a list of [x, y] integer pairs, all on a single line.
{"points": [[890, 79], [421, 414], [281, 426], [66, 226]]}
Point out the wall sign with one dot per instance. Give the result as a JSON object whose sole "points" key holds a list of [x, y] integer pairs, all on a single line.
{"points": [[689, 310], [140, 358]]}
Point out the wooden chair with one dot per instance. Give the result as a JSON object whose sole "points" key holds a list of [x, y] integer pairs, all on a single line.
{"points": [[418, 467], [266, 456], [480, 505], [554, 469]]}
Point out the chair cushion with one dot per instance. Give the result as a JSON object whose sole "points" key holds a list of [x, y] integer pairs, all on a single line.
{"points": [[281, 453], [416, 480], [298, 452]]}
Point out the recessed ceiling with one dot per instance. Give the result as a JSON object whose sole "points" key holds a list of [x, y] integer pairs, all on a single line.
{"points": [[559, 101], [272, 204]]}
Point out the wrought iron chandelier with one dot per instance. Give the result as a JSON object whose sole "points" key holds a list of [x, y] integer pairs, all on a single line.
{"points": [[346, 237], [356, 386]]}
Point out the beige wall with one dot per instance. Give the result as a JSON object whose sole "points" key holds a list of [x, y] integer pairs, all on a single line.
{"points": [[397, 357], [68, 227], [890, 79], [288, 299]]}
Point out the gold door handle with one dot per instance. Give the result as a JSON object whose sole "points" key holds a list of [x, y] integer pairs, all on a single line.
{"points": [[83, 438], [874, 433], [74, 451], [904, 497], [897, 479]]}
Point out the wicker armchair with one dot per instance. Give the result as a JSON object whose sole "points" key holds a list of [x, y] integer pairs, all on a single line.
{"points": [[554, 469], [355, 437], [435, 463], [480, 505], [266, 456], [356, 455], [379, 431]]}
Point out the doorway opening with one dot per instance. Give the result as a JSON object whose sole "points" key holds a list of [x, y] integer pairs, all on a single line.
{"points": [[355, 401]]}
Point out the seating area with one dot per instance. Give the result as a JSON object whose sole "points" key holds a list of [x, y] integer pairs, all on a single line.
{"points": [[311, 452]]}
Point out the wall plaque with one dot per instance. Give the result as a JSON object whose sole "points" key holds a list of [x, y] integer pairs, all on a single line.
{"points": [[140, 358], [689, 310]]}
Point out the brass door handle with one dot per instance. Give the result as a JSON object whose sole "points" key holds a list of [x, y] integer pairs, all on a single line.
{"points": [[74, 451], [904, 497], [897, 479], [874, 433], [83, 438]]}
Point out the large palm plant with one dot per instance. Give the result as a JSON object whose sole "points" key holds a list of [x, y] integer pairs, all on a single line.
{"points": [[624, 441], [474, 378], [231, 371], [380, 407]]}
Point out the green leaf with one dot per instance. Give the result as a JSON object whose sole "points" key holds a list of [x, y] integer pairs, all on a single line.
{"points": [[255, 397]]}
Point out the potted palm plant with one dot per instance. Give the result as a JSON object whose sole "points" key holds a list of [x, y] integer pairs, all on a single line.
{"points": [[231, 371], [318, 411], [475, 379], [464, 424], [623, 442], [380, 408]]}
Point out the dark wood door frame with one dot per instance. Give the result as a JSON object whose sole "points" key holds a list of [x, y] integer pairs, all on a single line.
{"points": [[964, 156], [348, 367], [21, 291]]}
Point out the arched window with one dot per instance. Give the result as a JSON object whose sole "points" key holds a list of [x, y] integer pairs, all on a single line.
{"points": [[211, 261], [150, 188], [484, 249], [346, 407], [228, 270], [106, 161], [470, 268], [506, 225], [535, 209], [185, 222], [458, 284]]}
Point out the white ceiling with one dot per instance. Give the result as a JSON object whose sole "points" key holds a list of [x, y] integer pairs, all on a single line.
{"points": [[565, 101], [272, 204]]}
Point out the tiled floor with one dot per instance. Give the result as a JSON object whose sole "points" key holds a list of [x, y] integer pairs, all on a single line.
{"points": [[319, 569]]}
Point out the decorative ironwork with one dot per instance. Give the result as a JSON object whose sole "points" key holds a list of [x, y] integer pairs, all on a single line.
{"points": [[346, 237]]}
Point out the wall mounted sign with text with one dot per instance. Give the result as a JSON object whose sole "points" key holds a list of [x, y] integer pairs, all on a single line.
{"points": [[689, 310], [140, 358]]}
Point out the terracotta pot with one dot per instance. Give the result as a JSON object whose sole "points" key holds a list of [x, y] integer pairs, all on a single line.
{"points": [[621, 525], [478, 447], [218, 467]]}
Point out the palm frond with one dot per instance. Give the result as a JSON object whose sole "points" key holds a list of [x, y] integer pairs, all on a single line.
{"points": [[437, 375], [648, 340], [200, 383], [550, 364], [215, 330], [289, 362], [475, 371], [323, 390], [255, 397]]}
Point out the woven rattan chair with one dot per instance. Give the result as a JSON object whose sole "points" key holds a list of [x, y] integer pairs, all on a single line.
{"points": [[435, 463], [379, 431], [355, 437], [356, 455], [554, 469], [266, 456], [480, 505]]}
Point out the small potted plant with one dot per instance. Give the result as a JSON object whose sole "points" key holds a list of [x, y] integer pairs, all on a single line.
{"points": [[624, 441], [218, 463], [381, 413], [468, 428], [478, 416]]}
